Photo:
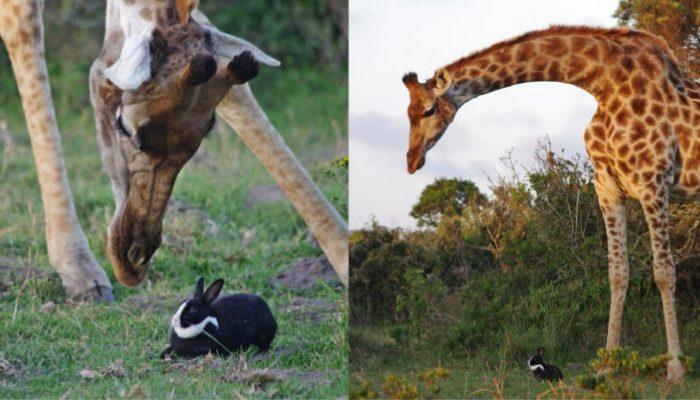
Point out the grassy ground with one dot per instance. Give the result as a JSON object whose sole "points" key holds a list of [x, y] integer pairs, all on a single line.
{"points": [[376, 355], [213, 230]]}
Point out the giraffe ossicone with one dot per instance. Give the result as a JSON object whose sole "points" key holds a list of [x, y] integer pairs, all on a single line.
{"points": [[643, 140]]}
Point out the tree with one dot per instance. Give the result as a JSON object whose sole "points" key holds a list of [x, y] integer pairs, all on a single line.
{"points": [[674, 20], [444, 197]]}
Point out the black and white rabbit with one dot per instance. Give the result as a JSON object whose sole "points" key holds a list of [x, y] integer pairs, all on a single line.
{"points": [[204, 324], [541, 370]]}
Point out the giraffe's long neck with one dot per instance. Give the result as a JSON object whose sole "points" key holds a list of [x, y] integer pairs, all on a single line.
{"points": [[599, 64]]}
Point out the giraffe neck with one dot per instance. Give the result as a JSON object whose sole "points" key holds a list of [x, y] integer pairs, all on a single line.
{"points": [[597, 61]]}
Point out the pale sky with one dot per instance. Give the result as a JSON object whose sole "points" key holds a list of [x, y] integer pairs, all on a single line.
{"points": [[391, 37]]}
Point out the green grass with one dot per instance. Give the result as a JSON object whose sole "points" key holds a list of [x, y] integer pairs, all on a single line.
{"points": [[220, 235], [375, 354]]}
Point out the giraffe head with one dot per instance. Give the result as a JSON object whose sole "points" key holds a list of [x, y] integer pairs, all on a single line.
{"points": [[429, 113], [154, 105]]}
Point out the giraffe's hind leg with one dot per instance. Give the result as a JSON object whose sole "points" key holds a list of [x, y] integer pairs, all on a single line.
{"points": [[655, 206], [69, 254]]}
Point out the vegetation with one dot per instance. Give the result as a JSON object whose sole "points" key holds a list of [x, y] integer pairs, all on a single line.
{"points": [[215, 227], [525, 268]]}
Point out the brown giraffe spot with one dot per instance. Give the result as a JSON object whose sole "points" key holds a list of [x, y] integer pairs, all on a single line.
{"points": [[625, 90], [524, 52], [576, 65], [639, 84], [696, 119], [673, 112], [657, 109], [624, 167], [502, 73], [578, 43], [622, 117], [659, 146], [627, 63], [639, 105], [553, 46], [553, 72], [646, 158], [648, 65], [537, 76], [597, 146], [483, 63], [599, 132], [618, 75], [539, 64], [623, 150], [649, 120], [503, 57], [592, 53], [685, 111], [614, 105], [639, 131], [473, 72]]}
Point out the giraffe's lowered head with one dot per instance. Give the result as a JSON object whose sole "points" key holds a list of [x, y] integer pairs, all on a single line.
{"points": [[429, 112], [148, 130]]}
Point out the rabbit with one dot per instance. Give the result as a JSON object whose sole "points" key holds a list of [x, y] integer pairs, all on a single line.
{"points": [[204, 324], [544, 371]]}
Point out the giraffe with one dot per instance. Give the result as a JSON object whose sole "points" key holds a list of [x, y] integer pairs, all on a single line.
{"points": [[155, 87], [642, 139]]}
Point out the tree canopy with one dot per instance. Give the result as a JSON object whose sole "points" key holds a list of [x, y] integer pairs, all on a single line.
{"points": [[444, 197]]}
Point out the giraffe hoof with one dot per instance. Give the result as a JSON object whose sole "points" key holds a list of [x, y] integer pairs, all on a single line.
{"points": [[243, 67], [675, 371], [96, 294]]}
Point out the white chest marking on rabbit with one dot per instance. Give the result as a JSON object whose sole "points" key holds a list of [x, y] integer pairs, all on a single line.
{"points": [[192, 330], [536, 367]]}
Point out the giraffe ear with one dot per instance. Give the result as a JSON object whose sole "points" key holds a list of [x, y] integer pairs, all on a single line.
{"points": [[227, 46], [443, 80]]}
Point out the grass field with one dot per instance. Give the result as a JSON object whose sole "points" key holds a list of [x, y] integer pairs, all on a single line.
{"points": [[375, 355], [213, 229]]}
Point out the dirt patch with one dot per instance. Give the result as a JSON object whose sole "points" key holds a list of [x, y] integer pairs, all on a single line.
{"points": [[263, 194], [258, 378], [316, 310], [152, 302], [306, 273], [182, 221]]}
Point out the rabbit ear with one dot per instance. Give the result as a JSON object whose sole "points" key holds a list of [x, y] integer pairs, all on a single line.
{"points": [[213, 291], [540, 351], [199, 288]]}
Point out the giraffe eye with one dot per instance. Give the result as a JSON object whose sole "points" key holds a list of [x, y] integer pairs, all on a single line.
{"points": [[121, 128], [430, 112]]}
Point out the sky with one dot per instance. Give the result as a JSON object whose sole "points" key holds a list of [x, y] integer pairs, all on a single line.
{"points": [[391, 37]]}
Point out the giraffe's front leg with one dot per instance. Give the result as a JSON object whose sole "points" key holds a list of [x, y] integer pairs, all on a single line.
{"points": [[68, 250], [615, 216], [657, 218]]}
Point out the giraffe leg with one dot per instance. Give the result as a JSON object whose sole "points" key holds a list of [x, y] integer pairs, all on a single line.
{"points": [[615, 216], [657, 218], [68, 250]]}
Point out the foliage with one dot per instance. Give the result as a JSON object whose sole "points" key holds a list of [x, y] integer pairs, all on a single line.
{"points": [[420, 385], [675, 20], [444, 197], [623, 373], [547, 285]]}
